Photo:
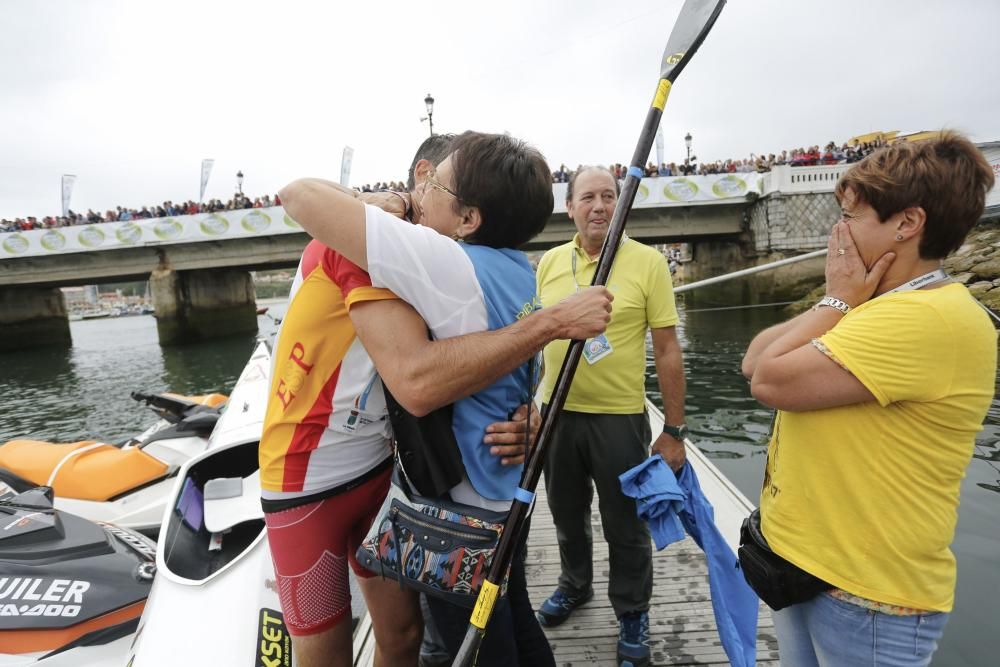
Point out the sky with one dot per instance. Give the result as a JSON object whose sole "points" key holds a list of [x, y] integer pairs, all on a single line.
{"points": [[131, 95]]}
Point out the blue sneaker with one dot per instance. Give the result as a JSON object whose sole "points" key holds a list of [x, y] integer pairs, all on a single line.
{"points": [[559, 606], [633, 639]]}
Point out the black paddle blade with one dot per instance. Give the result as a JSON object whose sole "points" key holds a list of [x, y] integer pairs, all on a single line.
{"points": [[693, 24]]}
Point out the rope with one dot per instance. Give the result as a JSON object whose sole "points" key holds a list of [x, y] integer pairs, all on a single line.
{"points": [[756, 305]]}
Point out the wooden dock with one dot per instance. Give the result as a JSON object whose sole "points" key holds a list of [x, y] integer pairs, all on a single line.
{"points": [[681, 623]]}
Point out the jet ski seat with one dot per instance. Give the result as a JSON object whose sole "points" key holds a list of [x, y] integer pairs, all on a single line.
{"points": [[87, 470], [232, 500]]}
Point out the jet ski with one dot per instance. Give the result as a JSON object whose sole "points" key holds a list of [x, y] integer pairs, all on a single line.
{"points": [[128, 484], [215, 598], [71, 590]]}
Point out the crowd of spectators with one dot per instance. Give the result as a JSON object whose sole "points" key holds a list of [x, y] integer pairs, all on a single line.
{"points": [[393, 186], [796, 157], [164, 210]]}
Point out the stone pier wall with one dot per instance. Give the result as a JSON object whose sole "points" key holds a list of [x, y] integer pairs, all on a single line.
{"points": [[32, 317], [200, 305]]}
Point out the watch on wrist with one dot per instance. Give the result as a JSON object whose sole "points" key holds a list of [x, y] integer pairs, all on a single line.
{"points": [[676, 432]]}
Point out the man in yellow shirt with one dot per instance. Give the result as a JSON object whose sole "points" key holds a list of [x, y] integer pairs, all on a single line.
{"points": [[603, 430]]}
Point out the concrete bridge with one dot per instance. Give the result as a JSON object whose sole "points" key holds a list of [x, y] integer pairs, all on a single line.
{"points": [[198, 266]]}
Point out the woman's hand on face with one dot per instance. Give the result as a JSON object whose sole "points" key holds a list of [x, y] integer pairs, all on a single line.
{"points": [[847, 277]]}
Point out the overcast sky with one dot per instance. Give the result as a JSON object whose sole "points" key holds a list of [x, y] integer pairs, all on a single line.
{"points": [[130, 95]]}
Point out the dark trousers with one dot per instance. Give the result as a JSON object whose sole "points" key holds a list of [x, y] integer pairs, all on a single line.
{"points": [[513, 636], [599, 447]]}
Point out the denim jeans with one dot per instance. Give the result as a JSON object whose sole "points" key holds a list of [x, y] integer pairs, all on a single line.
{"points": [[827, 632]]}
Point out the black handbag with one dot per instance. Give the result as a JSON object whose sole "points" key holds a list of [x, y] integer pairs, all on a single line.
{"points": [[775, 581], [426, 447]]}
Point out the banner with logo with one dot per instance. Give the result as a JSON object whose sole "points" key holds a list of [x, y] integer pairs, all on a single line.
{"points": [[148, 232], [345, 166], [206, 172], [686, 190], [67, 192]]}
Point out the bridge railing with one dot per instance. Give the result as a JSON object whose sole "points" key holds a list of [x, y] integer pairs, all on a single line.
{"points": [[786, 179], [218, 226]]}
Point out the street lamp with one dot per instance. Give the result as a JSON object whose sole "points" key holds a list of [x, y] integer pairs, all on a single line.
{"points": [[239, 181], [429, 101], [687, 142]]}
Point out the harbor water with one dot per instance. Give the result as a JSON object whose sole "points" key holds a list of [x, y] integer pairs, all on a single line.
{"points": [[83, 393]]}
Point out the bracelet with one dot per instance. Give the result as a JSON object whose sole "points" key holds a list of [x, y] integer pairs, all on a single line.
{"points": [[406, 204], [833, 302]]}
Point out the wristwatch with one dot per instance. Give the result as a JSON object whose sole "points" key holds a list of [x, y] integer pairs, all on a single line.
{"points": [[676, 432]]}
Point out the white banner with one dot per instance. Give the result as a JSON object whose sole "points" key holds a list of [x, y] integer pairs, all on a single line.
{"points": [[686, 190], [148, 232], [659, 145], [345, 166], [206, 171], [67, 192]]}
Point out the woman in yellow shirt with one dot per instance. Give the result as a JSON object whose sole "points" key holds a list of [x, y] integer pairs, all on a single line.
{"points": [[880, 391]]}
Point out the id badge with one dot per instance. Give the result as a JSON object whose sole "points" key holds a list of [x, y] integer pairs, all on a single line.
{"points": [[596, 349]]}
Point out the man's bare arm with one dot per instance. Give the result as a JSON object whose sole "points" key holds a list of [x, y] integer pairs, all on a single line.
{"points": [[424, 375], [670, 374]]}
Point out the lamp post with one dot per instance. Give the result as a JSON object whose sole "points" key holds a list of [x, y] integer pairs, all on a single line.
{"points": [[429, 101], [687, 142], [239, 181]]}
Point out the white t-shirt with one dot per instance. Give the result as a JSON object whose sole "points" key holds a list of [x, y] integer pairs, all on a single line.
{"points": [[433, 274]]}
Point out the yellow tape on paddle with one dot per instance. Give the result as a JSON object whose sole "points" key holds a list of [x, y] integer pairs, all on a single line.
{"points": [[660, 100], [484, 604]]}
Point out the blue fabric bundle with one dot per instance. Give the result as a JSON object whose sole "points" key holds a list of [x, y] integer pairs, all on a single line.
{"points": [[666, 502]]}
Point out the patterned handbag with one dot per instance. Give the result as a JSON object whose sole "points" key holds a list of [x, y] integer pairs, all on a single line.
{"points": [[435, 546]]}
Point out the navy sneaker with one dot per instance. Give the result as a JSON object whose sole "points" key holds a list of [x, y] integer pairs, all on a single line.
{"points": [[559, 606], [633, 639]]}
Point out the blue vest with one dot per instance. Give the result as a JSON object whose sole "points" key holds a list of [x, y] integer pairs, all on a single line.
{"points": [[508, 285]]}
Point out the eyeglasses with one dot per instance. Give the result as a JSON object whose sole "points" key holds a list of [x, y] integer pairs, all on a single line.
{"points": [[437, 185]]}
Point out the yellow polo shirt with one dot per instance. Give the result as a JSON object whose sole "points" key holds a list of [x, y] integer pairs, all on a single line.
{"points": [[865, 496], [644, 299]]}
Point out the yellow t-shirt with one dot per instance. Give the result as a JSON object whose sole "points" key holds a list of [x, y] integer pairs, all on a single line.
{"points": [[644, 298], [865, 496]]}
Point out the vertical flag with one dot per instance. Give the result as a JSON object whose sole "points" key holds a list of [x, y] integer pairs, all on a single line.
{"points": [[345, 166], [206, 171], [67, 191], [659, 146]]}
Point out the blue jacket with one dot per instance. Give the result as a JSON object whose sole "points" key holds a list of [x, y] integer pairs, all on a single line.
{"points": [[665, 502]]}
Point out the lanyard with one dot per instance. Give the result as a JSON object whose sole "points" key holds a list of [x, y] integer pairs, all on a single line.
{"points": [[918, 282]]}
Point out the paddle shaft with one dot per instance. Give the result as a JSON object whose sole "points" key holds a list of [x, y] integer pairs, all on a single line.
{"points": [[692, 26]]}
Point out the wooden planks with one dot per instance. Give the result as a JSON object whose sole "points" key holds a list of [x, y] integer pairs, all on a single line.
{"points": [[682, 625]]}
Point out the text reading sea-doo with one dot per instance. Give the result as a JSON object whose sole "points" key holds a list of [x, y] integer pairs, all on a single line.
{"points": [[71, 590]]}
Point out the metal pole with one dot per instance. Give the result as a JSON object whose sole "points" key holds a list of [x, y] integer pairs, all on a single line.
{"points": [[746, 272]]}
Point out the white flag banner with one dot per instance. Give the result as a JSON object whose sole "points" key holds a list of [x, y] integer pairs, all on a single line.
{"points": [[345, 166], [67, 191], [206, 171], [659, 145]]}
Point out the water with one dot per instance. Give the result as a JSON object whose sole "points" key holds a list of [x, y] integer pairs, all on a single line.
{"points": [[82, 393]]}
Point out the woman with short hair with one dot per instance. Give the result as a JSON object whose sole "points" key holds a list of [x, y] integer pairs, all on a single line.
{"points": [[880, 390]]}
